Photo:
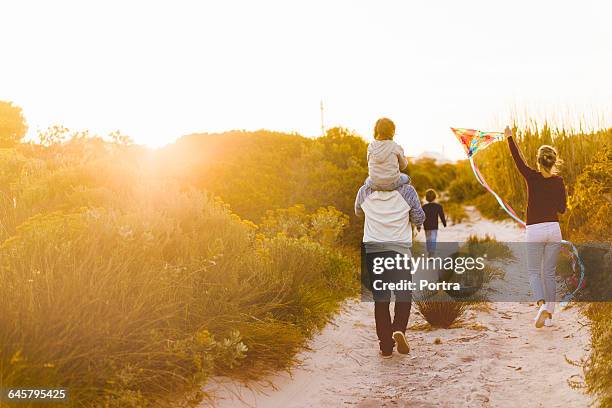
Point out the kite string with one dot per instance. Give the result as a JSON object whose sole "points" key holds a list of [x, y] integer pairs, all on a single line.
{"points": [[506, 207], [501, 202]]}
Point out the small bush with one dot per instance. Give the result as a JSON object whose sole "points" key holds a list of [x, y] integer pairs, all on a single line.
{"points": [[464, 187], [325, 225], [441, 314], [455, 212], [489, 207], [476, 246]]}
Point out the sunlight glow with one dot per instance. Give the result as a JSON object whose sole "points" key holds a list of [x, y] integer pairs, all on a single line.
{"points": [[159, 70]]}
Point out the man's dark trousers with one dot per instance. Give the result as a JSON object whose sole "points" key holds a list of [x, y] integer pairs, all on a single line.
{"points": [[382, 300]]}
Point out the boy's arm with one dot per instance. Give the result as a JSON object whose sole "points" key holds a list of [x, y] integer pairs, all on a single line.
{"points": [[441, 214]]}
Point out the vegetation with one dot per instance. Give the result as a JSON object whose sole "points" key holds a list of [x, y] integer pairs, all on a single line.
{"points": [[12, 124], [131, 276], [587, 173], [425, 174], [131, 286], [598, 368], [476, 246], [125, 305], [441, 313], [455, 212], [256, 172], [588, 221], [472, 281], [591, 204], [578, 149], [125, 279]]}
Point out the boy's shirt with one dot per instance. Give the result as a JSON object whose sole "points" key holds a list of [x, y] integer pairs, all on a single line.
{"points": [[385, 160], [432, 212]]}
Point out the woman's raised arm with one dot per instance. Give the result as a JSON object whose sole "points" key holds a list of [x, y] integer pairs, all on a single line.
{"points": [[525, 170]]}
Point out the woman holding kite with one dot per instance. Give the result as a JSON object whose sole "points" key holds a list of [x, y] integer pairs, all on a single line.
{"points": [[546, 198]]}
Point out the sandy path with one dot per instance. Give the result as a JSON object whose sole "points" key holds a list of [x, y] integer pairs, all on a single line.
{"points": [[502, 361]]}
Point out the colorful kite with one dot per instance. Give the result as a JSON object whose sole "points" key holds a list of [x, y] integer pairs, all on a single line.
{"points": [[473, 141]]}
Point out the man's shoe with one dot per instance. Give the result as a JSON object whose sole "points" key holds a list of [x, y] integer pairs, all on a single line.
{"points": [[548, 322], [401, 342], [542, 315], [386, 355]]}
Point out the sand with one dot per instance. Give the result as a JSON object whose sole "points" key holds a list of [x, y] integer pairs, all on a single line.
{"points": [[496, 359]]}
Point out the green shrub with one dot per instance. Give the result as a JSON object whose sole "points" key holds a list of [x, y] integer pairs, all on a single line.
{"points": [[142, 304], [489, 207], [425, 173], [476, 246], [598, 368], [464, 187], [441, 313], [455, 212], [590, 206], [325, 225]]}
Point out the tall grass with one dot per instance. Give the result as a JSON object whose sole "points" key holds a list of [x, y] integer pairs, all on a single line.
{"points": [[123, 283], [138, 305], [598, 368], [575, 148]]}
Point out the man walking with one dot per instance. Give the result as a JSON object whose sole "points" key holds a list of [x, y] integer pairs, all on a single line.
{"points": [[387, 233]]}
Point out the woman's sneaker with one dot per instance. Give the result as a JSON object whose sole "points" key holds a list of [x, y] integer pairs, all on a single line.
{"points": [[401, 342], [542, 315]]}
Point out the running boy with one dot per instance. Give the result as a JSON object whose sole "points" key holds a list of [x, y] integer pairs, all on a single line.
{"points": [[433, 211]]}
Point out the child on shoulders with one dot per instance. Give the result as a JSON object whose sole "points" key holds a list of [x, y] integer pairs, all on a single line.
{"points": [[385, 159]]}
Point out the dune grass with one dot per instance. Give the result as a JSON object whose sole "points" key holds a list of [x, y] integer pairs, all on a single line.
{"points": [[139, 306], [122, 280], [441, 313]]}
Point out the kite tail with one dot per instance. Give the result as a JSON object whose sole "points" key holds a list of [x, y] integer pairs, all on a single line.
{"points": [[575, 260], [573, 251], [505, 206]]}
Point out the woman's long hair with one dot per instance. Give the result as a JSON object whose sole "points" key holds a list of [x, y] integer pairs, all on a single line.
{"points": [[548, 159]]}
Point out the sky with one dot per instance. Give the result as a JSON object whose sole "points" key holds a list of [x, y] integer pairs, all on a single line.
{"points": [[159, 70]]}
